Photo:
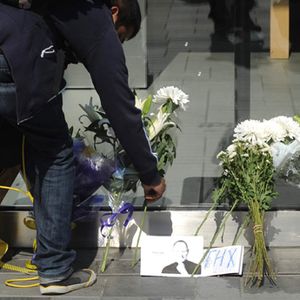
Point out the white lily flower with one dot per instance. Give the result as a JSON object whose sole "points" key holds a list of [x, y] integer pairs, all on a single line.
{"points": [[159, 123], [90, 111], [175, 94], [139, 103]]}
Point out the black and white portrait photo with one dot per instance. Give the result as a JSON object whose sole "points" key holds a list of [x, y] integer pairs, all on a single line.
{"points": [[171, 256], [181, 264]]}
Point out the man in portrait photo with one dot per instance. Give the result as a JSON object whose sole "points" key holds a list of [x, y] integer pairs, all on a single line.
{"points": [[181, 264]]}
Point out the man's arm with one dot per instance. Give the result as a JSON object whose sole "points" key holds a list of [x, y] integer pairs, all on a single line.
{"points": [[90, 32]]}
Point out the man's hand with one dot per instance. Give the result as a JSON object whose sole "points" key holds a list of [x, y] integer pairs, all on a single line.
{"points": [[25, 4], [154, 192]]}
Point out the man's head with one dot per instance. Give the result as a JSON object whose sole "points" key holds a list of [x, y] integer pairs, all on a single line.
{"points": [[127, 17], [180, 251]]}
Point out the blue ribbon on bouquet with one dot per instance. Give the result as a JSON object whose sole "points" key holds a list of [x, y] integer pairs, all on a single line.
{"points": [[126, 208]]}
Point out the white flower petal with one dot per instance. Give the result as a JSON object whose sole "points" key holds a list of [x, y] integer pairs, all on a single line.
{"points": [[159, 123], [175, 94]]}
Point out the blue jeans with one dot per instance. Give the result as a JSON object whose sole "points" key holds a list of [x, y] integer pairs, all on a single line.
{"points": [[50, 169]]}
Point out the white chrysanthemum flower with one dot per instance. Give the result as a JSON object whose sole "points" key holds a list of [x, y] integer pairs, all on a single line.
{"points": [[220, 154], [175, 94], [159, 123], [231, 151], [291, 127], [273, 131], [251, 131], [231, 148], [231, 155], [266, 149]]}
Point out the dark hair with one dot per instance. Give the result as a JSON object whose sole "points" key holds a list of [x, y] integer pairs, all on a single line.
{"points": [[129, 14], [182, 242]]}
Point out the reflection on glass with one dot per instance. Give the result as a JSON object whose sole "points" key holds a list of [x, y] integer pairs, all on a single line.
{"points": [[217, 52]]}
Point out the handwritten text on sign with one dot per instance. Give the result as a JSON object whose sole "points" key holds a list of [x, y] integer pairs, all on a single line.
{"points": [[224, 260]]}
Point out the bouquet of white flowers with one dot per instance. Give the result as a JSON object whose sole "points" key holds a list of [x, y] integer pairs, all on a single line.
{"points": [[259, 151], [160, 119]]}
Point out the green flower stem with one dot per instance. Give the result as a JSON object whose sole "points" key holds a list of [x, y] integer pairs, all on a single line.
{"points": [[205, 218], [248, 178], [135, 259], [260, 263], [219, 195], [215, 236], [105, 254]]}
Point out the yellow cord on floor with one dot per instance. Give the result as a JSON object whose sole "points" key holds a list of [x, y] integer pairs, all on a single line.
{"points": [[14, 282], [10, 282], [30, 268]]}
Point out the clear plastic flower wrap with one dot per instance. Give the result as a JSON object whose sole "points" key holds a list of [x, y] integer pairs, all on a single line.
{"points": [[286, 160], [92, 171]]}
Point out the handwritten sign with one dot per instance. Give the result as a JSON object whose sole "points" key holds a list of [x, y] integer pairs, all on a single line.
{"points": [[224, 260]]}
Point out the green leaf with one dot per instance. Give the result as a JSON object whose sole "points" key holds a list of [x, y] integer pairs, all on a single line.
{"points": [[168, 106], [147, 105], [297, 118]]}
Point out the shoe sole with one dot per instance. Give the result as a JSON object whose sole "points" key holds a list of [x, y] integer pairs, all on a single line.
{"points": [[58, 289]]}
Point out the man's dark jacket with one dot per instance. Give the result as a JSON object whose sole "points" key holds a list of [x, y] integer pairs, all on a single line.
{"points": [[37, 72], [189, 266], [87, 28]]}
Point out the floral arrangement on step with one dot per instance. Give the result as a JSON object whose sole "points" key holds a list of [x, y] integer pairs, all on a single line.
{"points": [[160, 119], [260, 151]]}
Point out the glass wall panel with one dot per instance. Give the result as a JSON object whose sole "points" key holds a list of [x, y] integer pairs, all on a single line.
{"points": [[219, 53]]}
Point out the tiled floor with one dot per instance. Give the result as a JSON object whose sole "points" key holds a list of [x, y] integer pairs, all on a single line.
{"points": [[183, 26]]}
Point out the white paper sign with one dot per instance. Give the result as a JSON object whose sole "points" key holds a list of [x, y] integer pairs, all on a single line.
{"points": [[224, 260], [171, 256]]}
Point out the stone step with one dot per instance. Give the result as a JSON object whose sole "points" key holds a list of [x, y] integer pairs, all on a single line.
{"points": [[281, 228], [121, 282]]}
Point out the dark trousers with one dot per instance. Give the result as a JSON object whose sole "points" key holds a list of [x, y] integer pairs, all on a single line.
{"points": [[50, 170]]}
